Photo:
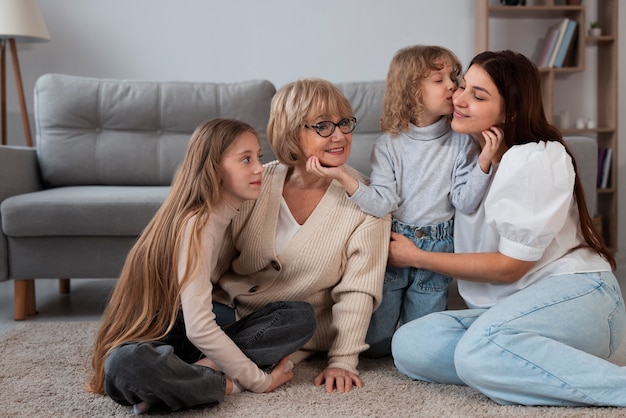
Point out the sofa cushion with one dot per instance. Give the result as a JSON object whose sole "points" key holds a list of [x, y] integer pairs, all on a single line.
{"points": [[99, 131], [82, 211]]}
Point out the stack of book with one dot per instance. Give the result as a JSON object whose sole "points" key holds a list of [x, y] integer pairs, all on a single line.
{"points": [[558, 45], [605, 157]]}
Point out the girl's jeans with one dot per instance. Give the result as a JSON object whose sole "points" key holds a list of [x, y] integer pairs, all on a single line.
{"points": [[545, 345], [163, 371], [410, 293]]}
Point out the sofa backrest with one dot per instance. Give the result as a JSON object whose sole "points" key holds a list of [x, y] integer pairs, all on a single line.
{"points": [[119, 132], [366, 98]]}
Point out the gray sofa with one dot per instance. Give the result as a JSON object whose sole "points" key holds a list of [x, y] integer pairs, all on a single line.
{"points": [[106, 152]]}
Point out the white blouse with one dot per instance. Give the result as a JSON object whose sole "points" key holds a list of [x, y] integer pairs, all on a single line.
{"points": [[529, 213]]}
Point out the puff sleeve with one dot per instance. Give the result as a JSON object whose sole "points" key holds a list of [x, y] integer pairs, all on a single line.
{"points": [[530, 198]]}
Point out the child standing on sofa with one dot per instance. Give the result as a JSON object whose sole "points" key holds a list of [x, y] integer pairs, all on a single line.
{"points": [[160, 340], [422, 171]]}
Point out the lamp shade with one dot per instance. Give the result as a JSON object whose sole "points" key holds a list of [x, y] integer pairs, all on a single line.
{"points": [[22, 21]]}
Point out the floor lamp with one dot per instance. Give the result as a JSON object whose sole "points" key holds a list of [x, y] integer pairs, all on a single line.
{"points": [[20, 21]]}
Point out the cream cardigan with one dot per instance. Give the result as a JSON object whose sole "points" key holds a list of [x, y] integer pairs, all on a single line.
{"points": [[336, 262]]}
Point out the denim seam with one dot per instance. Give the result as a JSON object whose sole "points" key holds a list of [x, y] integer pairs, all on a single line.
{"points": [[538, 308], [593, 401], [261, 332]]}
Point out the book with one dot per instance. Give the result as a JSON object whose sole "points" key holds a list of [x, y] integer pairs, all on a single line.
{"points": [[572, 52], [566, 43], [562, 27], [601, 155], [543, 59], [606, 168]]}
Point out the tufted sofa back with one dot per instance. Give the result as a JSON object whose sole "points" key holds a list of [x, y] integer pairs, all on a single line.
{"points": [[117, 132]]}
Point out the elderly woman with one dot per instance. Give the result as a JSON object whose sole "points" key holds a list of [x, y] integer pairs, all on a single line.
{"points": [[303, 239]]}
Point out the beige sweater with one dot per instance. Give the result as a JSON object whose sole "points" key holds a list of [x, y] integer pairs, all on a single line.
{"points": [[336, 262], [197, 306]]}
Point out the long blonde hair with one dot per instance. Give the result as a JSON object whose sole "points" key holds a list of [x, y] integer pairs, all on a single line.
{"points": [[146, 298], [402, 102]]}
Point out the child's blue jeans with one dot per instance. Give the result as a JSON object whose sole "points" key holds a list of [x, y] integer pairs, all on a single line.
{"points": [[410, 293]]}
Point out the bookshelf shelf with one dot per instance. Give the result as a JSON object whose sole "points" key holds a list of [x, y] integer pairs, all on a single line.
{"points": [[594, 57], [533, 11]]}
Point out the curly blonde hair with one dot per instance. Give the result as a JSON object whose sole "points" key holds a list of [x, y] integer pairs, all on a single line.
{"points": [[402, 102]]}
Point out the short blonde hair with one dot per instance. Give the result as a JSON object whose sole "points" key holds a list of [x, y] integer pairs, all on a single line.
{"points": [[293, 106], [402, 101]]}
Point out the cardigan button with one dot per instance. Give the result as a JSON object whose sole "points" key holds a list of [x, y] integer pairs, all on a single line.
{"points": [[275, 265]]}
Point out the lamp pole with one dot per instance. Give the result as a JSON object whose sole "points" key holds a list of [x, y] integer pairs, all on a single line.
{"points": [[20, 90], [20, 21]]}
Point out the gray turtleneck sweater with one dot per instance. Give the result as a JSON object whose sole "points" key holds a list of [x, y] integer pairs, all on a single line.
{"points": [[423, 175]]}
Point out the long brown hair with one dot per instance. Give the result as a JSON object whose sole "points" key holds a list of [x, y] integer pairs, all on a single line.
{"points": [[519, 83], [402, 102], [146, 298]]}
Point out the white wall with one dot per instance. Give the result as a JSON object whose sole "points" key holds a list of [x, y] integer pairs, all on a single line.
{"points": [[234, 40]]}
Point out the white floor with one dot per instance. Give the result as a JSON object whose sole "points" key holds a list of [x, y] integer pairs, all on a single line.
{"points": [[86, 301]]}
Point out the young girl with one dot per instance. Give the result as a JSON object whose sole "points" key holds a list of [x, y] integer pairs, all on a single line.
{"points": [[159, 341], [546, 311], [421, 172]]}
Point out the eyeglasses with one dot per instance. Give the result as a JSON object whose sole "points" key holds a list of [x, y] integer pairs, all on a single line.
{"points": [[326, 128]]}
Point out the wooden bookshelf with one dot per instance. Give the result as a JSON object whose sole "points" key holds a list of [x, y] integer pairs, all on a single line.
{"points": [[603, 65]]}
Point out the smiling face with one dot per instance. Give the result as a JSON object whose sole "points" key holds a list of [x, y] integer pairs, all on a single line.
{"points": [[477, 103], [332, 151], [437, 90], [241, 170]]}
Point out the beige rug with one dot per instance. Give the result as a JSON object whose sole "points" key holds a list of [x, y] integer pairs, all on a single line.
{"points": [[42, 374]]}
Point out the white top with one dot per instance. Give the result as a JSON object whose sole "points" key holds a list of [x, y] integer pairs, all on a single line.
{"points": [[529, 213], [286, 227]]}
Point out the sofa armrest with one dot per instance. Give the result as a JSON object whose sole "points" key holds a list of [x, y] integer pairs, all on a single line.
{"points": [[19, 171], [19, 174]]}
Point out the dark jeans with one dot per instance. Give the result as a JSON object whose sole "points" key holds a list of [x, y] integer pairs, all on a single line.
{"points": [[163, 371]]}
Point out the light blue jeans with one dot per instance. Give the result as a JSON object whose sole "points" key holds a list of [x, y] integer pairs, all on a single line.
{"points": [[410, 293], [544, 345]]}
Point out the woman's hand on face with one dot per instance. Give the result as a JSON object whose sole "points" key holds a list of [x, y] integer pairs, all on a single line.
{"points": [[281, 374], [493, 140], [341, 379], [314, 166], [340, 174], [402, 251]]}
